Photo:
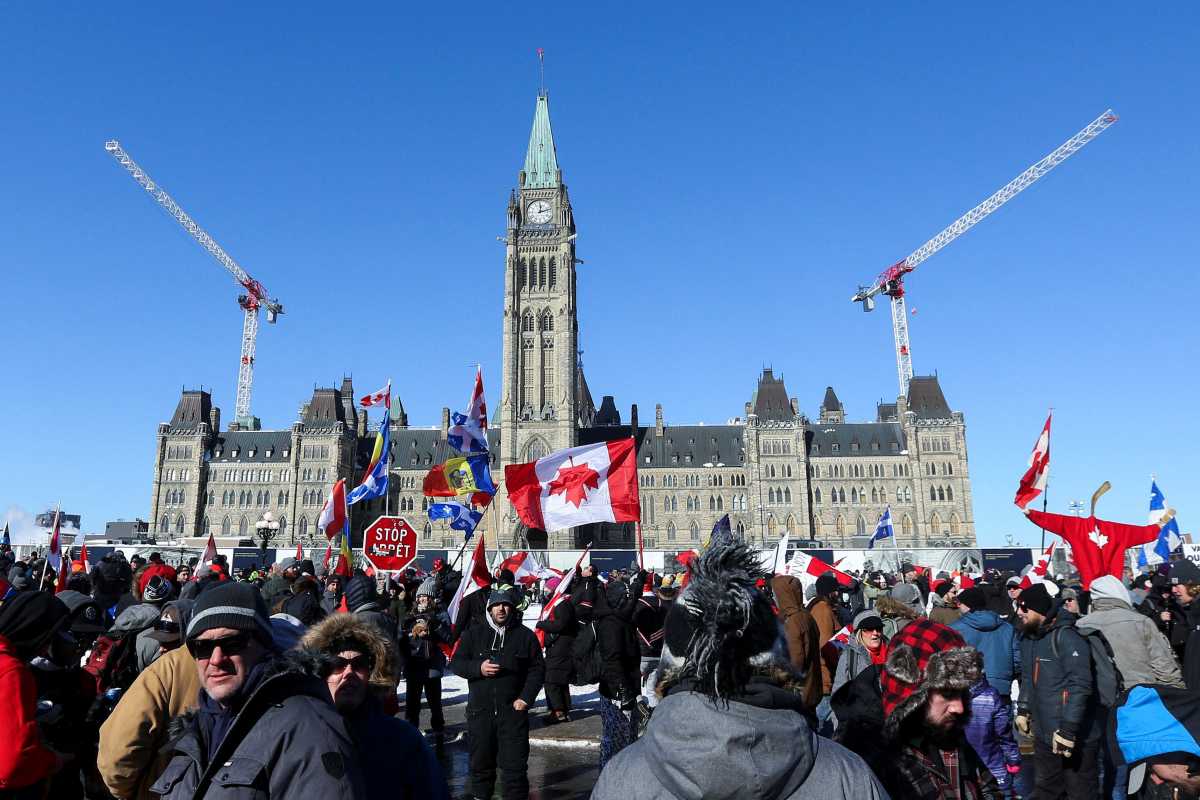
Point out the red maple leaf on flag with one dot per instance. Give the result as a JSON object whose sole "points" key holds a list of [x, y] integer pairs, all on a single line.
{"points": [[574, 482]]}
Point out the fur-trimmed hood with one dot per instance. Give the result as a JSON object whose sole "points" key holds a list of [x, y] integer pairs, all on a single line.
{"points": [[889, 607], [925, 656], [324, 634]]}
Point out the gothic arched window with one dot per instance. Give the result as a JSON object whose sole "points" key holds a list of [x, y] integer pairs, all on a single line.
{"points": [[542, 273], [949, 492], [164, 524], [225, 526], [179, 524], [787, 495], [553, 272], [303, 527], [282, 525], [527, 322], [817, 494], [547, 321], [242, 525], [521, 274]]}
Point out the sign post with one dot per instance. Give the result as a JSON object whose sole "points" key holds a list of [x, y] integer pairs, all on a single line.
{"points": [[390, 544]]}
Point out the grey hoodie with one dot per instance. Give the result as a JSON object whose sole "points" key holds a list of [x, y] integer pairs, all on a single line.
{"points": [[1141, 652], [694, 748]]}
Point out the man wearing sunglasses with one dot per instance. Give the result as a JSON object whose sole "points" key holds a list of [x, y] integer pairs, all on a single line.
{"points": [[264, 728]]}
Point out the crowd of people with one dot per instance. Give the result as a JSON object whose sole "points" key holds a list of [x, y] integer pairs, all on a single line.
{"points": [[139, 678]]}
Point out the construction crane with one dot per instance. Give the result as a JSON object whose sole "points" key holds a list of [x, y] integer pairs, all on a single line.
{"points": [[255, 296], [890, 282]]}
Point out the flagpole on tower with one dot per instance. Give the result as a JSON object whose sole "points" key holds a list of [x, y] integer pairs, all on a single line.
{"points": [[541, 54]]}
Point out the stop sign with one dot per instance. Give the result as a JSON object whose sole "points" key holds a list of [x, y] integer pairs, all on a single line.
{"points": [[390, 544]]}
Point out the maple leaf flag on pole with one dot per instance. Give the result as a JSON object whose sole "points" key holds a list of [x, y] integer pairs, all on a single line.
{"points": [[333, 514], [560, 592], [383, 397], [475, 577], [1033, 482], [210, 552], [804, 564], [591, 483], [525, 569]]}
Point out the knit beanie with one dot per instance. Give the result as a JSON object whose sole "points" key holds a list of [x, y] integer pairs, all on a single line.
{"points": [[826, 585], [499, 596], [428, 588], [231, 605], [360, 590], [723, 627], [924, 656], [909, 595], [1036, 598], [157, 590], [942, 588], [973, 598]]}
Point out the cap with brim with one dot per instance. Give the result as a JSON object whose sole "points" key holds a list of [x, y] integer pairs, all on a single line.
{"points": [[166, 629], [88, 618], [869, 620], [1014, 581]]}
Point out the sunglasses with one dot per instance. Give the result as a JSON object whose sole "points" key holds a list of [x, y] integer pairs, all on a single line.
{"points": [[360, 663], [202, 649]]}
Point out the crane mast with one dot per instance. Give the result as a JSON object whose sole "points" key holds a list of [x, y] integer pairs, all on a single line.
{"points": [[890, 282], [255, 296]]}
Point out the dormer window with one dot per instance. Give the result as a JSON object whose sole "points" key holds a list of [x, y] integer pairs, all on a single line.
{"points": [[235, 452], [287, 451], [835, 447], [854, 447], [269, 452], [252, 452]]}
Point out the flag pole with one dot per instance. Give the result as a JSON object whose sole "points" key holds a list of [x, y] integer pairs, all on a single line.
{"points": [[640, 544], [478, 525], [1046, 493], [46, 560]]}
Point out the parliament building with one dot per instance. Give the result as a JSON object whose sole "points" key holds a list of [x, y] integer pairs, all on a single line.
{"points": [[772, 468]]}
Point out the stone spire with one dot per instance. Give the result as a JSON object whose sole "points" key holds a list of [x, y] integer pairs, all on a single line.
{"points": [[541, 161]]}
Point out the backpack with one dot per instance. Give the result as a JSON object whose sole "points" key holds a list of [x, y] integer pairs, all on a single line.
{"points": [[1106, 678], [585, 657], [112, 663]]}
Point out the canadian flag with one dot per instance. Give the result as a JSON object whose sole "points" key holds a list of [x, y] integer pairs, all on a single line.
{"points": [[525, 569], [1038, 573], [592, 483], [332, 519], [382, 397], [779, 565], [560, 592], [803, 564], [1033, 482], [475, 577], [210, 552], [54, 553]]}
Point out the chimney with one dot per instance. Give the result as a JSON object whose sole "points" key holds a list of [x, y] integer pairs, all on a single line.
{"points": [[633, 423], [445, 422], [214, 420], [749, 408], [658, 420], [795, 407]]}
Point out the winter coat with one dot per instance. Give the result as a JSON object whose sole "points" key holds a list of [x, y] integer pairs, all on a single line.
{"points": [[895, 615], [872, 593], [767, 751], [941, 611], [422, 656], [379, 737], [827, 625], [132, 737], [803, 636], [1191, 648], [914, 769], [24, 761], [999, 644], [1140, 651], [286, 741], [515, 649], [649, 615], [276, 588], [854, 659], [989, 730], [1057, 690], [561, 627]]}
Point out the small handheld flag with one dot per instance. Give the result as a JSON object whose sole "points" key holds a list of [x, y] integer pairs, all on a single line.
{"points": [[884, 529], [1168, 538], [461, 518]]}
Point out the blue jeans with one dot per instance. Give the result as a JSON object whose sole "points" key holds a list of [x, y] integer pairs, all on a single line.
{"points": [[824, 717]]}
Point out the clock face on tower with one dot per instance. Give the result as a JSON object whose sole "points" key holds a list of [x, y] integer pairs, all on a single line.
{"points": [[539, 212]]}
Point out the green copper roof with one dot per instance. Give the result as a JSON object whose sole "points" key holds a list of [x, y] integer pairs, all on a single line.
{"points": [[541, 162]]}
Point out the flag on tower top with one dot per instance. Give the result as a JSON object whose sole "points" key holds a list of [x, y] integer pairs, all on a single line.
{"points": [[382, 397], [468, 433], [1033, 482], [591, 483]]}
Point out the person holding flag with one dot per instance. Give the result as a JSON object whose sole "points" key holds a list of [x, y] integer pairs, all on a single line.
{"points": [[1159, 551], [556, 630]]}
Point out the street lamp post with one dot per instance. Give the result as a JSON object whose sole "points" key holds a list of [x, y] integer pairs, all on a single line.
{"points": [[265, 530]]}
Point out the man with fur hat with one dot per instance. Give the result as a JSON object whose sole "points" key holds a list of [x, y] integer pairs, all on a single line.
{"points": [[925, 683], [358, 665], [260, 722], [423, 632], [1057, 704], [731, 721], [502, 663]]}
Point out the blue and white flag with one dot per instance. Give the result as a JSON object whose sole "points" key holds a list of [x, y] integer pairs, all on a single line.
{"points": [[1168, 538], [884, 529], [468, 432], [461, 518], [375, 482]]}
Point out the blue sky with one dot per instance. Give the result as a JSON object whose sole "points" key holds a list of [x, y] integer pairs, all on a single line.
{"points": [[734, 177]]}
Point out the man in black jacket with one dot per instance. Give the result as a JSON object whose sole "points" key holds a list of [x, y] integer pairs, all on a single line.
{"points": [[1185, 585], [1057, 704], [502, 663], [615, 637]]}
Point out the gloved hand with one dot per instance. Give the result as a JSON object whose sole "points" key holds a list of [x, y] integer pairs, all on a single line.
{"points": [[1062, 743], [1022, 721]]}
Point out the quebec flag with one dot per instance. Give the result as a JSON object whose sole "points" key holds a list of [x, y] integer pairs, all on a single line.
{"points": [[461, 518], [884, 529], [468, 432], [1168, 538]]}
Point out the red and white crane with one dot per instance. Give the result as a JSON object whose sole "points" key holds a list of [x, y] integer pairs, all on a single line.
{"points": [[890, 282], [255, 296]]}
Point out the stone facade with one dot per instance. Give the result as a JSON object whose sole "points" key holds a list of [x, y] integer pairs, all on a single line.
{"points": [[772, 469]]}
